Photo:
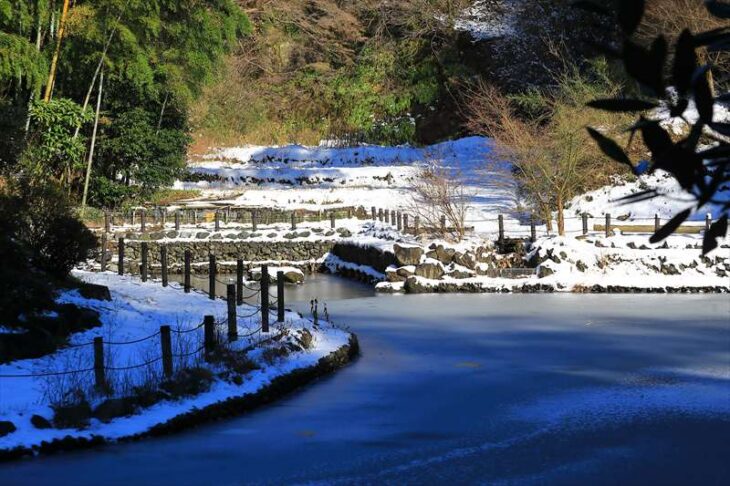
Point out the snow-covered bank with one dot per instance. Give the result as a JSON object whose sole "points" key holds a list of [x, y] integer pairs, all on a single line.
{"points": [[136, 311]]}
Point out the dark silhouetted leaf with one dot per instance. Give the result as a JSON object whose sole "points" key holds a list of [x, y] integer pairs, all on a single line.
{"points": [[685, 63], [719, 9], [711, 36], [715, 152], [656, 139], [717, 230], [622, 105], [630, 13], [703, 95], [610, 148], [590, 7], [679, 108], [670, 227], [646, 65]]}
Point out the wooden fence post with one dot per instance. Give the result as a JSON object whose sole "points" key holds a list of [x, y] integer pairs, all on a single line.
{"points": [[166, 345], [405, 223], [120, 257], [657, 222], [217, 217], [143, 221], [232, 322], [280, 296], [239, 281], [211, 276], [186, 282], [375, 213], [163, 263], [416, 225], [133, 218], [163, 217], [399, 220], [533, 229], [500, 220], [333, 222], [177, 220], [99, 378], [265, 298], [195, 216], [608, 225], [584, 217], [380, 215], [103, 252], [227, 215], [145, 249], [107, 222], [254, 220], [293, 221], [209, 337]]}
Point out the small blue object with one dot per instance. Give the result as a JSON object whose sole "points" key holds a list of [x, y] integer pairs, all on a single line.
{"points": [[642, 167]]}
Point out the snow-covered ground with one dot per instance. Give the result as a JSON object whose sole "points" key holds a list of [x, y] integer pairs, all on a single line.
{"points": [[137, 310], [314, 178]]}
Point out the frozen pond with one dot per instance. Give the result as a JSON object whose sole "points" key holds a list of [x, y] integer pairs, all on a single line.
{"points": [[528, 389]]}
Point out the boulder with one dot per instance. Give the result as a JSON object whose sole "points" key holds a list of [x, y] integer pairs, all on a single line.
{"points": [[431, 271], [392, 275], [201, 235], [344, 232], [444, 255], [460, 274], [72, 416], [406, 271], [465, 260], [94, 292], [293, 277], [6, 428], [407, 255], [40, 422], [113, 408]]}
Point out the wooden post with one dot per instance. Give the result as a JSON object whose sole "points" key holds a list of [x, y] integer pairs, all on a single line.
{"points": [[133, 220], [293, 221], [163, 262], [166, 345], [584, 217], [177, 220], [399, 220], [107, 222], [99, 378], [254, 220], [239, 281], [405, 223], [265, 298], [163, 217], [232, 322], [443, 223], [708, 221], [209, 337], [143, 266], [120, 250], [217, 220], [380, 215], [657, 222], [195, 216], [333, 223], [211, 276], [103, 252], [533, 229], [280, 296], [375, 213], [188, 258], [143, 221], [500, 220], [227, 215], [608, 225], [416, 225]]}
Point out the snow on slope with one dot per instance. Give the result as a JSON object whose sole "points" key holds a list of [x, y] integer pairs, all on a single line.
{"points": [[672, 200], [323, 177]]}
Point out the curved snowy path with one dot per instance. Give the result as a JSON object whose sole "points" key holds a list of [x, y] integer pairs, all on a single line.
{"points": [[526, 389]]}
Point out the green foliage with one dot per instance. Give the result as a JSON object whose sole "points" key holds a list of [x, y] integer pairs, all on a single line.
{"points": [[135, 150], [41, 241], [52, 149]]}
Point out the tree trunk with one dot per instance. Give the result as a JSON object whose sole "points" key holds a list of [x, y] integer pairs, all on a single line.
{"points": [[561, 216], [93, 142], [547, 214], [56, 53]]}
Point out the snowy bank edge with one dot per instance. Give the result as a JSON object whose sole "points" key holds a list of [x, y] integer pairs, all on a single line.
{"points": [[277, 388]]}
